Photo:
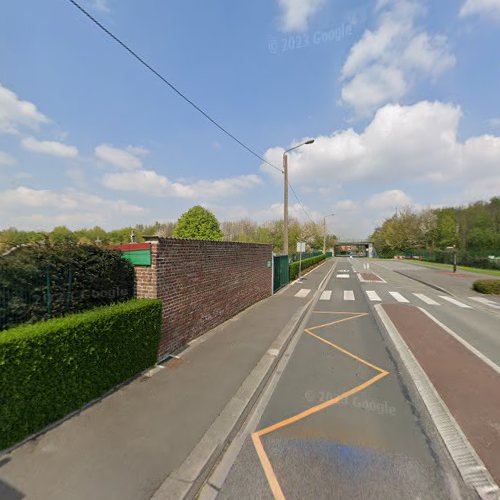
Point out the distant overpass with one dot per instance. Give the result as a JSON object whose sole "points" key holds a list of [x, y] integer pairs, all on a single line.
{"points": [[357, 247]]}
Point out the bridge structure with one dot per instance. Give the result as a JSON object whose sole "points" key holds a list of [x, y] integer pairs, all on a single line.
{"points": [[362, 248]]}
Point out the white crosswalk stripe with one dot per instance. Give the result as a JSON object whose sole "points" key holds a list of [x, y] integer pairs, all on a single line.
{"points": [[426, 299], [488, 302], [372, 295], [399, 297], [349, 295], [303, 292], [342, 276], [326, 295], [455, 302]]}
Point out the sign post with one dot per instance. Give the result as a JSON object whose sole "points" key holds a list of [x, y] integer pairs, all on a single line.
{"points": [[301, 247]]}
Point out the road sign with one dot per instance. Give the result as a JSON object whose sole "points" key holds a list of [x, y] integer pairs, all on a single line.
{"points": [[301, 246]]}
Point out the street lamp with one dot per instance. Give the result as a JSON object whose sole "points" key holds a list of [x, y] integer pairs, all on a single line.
{"points": [[324, 231], [285, 205]]}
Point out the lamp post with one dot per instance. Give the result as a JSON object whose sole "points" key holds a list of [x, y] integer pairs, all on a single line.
{"points": [[285, 195], [324, 231]]}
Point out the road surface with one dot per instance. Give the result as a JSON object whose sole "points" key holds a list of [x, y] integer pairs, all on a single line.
{"points": [[340, 420]]}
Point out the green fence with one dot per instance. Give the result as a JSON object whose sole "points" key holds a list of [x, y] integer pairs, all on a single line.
{"points": [[281, 272]]}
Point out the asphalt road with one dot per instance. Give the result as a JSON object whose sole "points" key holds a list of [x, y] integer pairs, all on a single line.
{"points": [[340, 421], [478, 323]]}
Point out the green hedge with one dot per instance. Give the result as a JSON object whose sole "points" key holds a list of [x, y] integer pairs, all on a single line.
{"points": [[491, 287], [44, 281], [52, 368], [294, 266]]}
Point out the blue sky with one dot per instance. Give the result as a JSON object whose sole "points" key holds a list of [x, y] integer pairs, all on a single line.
{"points": [[400, 95]]}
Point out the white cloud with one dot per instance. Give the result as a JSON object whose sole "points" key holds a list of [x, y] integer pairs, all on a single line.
{"points": [[126, 159], [49, 147], [154, 184], [6, 159], [297, 13], [29, 208], [15, 113], [385, 63], [388, 199], [481, 7], [416, 145]]}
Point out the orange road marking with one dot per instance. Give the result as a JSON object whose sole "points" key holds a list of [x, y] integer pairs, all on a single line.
{"points": [[256, 436], [268, 468]]}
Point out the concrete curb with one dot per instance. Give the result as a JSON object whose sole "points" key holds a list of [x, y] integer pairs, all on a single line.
{"points": [[436, 287], [186, 481]]}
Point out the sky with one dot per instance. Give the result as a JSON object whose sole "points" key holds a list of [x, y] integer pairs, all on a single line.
{"points": [[401, 97]]}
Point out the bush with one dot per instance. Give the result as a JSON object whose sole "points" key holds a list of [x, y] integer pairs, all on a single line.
{"points": [[52, 368], [491, 287], [294, 266], [44, 281]]}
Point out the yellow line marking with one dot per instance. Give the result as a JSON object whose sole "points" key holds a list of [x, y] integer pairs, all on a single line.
{"points": [[268, 468], [256, 436]]}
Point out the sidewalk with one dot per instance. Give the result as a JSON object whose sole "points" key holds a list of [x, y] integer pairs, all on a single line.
{"points": [[126, 445]]}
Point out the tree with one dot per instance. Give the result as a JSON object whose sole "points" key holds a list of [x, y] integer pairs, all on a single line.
{"points": [[198, 223]]}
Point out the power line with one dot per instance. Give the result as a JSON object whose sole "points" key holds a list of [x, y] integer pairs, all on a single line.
{"points": [[183, 96], [300, 203], [171, 85]]}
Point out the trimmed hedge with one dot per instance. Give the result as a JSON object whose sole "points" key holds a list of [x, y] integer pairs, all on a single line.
{"points": [[294, 266], [491, 287], [52, 368], [45, 281]]}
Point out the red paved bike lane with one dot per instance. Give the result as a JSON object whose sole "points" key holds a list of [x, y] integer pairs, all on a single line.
{"points": [[469, 387]]}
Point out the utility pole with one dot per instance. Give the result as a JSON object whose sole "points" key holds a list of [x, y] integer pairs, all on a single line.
{"points": [[285, 204], [324, 231], [285, 194]]}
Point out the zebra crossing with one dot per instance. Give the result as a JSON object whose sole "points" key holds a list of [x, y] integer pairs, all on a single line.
{"points": [[398, 296]]}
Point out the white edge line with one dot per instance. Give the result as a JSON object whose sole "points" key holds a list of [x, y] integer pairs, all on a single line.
{"points": [[467, 461], [471, 348]]}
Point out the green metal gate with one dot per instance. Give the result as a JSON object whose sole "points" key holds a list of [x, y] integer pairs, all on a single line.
{"points": [[281, 274]]}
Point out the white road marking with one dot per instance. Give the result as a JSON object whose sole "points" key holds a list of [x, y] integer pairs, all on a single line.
{"points": [[348, 295], [342, 276], [488, 302], [399, 297], [326, 295], [303, 292], [455, 302], [373, 296], [426, 299]]}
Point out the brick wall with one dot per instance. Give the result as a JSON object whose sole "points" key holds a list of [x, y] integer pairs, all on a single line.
{"points": [[202, 284]]}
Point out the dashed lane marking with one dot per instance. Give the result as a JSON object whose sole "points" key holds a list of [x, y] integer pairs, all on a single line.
{"points": [[455, 302], [303, 292], [349, 295], [256, 436], [426, 299], [488, 302], [399, 297], [326, 295], [373, 296]]}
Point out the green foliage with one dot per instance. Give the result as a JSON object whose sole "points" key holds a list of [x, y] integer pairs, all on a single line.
{"points": [[198, 223], [43, 281], [294, 266], [474, 230], [491, 287], [50, 369]]}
